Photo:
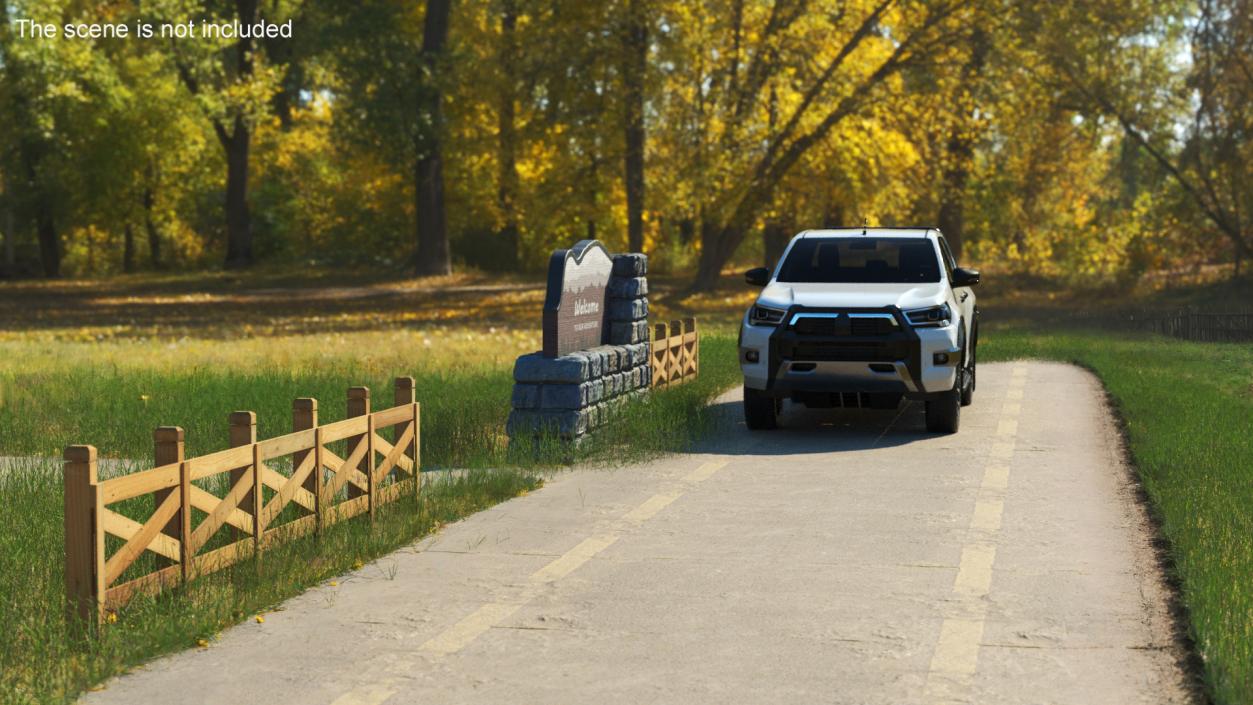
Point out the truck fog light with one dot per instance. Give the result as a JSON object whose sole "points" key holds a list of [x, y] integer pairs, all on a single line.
{"points": [[941, 358], [751, 356]]}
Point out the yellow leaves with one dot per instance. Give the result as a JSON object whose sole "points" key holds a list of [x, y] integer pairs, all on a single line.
{"points": [[260, 619]]}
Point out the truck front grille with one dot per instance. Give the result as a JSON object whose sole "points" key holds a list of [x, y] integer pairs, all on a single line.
{"points": [[846, 352]]}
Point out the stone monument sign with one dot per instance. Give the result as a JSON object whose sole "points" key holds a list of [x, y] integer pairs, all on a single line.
{"points": [[575, 306]]}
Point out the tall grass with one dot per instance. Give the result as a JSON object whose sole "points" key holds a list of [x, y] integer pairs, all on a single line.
{"points": [[1188, 409], [71, 398]]}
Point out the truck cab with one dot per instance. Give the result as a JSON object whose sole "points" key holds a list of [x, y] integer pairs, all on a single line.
{"points": [[862, 318]]}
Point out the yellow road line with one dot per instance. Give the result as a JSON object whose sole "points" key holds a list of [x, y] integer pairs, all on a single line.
{"points": [[987, 515], [704, 472], [956, 655], [974, 574], [489, 615], [469, 628], [649, 509], [996, 476], [570, 561], [958, 648]]}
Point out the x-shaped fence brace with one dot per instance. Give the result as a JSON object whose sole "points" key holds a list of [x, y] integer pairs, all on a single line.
{"points": [[675, 352]]}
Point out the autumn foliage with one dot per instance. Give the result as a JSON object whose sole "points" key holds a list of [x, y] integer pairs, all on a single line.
{"points": [[1062, 138]]}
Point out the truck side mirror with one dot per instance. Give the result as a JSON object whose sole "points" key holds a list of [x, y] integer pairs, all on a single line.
{"points": [[758, 276], [965, 277]]}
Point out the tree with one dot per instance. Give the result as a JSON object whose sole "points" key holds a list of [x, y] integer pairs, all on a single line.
{"points": [[507, 180], [31, 149], [233, 85], [1136, 85], [634, 36], [827, 82], [433, 257], [961, 138]]}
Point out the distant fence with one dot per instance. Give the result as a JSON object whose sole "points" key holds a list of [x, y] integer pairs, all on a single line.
{"points": [[261, 498], [675, 352], [1204, 327]]}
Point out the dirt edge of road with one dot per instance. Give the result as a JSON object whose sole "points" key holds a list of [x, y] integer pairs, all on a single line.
{"points": [[1155, 567]]}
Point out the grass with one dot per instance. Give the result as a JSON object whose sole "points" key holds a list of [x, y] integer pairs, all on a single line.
{"points": [[1188, 413], [112, 393]]}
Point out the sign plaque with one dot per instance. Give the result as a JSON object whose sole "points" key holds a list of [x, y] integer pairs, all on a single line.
{"points": [[574, 307]]}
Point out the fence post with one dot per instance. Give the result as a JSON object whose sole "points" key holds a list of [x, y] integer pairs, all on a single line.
{"points": [[304, 416], [168, 449], [84, 541], [660, 354], [676, 349], [696, 349], [186, 552], [358, 405], [406, 395], [689, 347], [257, 496], [243, 432]]}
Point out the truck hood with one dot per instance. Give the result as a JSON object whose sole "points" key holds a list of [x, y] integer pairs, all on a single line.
{"points": [[905, 296]]}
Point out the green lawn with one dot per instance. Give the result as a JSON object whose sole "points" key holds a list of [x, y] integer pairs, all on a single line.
{"points": [[59, 394], [1188, 410]]}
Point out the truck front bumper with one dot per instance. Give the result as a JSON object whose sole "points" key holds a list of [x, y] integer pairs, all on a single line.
{"points": [[833, 350]]}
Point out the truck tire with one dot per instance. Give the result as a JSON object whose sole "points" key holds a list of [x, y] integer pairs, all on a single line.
{"points": [[944, 412], [968, 384], [761, 411]]}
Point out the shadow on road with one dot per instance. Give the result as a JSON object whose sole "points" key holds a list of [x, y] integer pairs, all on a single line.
{"points": [[804, 431]]}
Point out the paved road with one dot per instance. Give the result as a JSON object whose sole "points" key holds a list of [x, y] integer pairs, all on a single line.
{"points": [[852, 558]]}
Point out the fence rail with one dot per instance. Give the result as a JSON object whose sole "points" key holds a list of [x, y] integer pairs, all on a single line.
{"points": [[675, 352], [193, 531]]}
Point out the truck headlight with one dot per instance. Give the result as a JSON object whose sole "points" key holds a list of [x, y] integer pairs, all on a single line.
{"points": [[930, 317], [760, 315]]}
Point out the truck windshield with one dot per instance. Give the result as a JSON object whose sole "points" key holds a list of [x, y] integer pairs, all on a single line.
{"points": [[861, 260]]}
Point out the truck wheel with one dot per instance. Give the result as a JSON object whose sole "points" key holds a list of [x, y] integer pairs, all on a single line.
{"points": [[761, 411], [944, 412], [968, 381]]}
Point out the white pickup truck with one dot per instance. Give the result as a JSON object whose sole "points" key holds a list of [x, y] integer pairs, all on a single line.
{"points": [[861, 317]]}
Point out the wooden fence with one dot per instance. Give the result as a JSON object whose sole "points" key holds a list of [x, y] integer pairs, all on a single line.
{"points": [[675, 351], [261, 500]]}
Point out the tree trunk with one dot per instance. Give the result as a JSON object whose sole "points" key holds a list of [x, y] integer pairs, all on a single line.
{"points": [[634, 64], [238, 145], [507, 135], [433, 256], [9, 234], [128, 249], [238, 218], [951, 219], [718, 244], [960, 148], [49, 241], [150, 225], [774, 239]]}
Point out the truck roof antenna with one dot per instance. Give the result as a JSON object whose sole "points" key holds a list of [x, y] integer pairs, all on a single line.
{"points": [[865, 224]]}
